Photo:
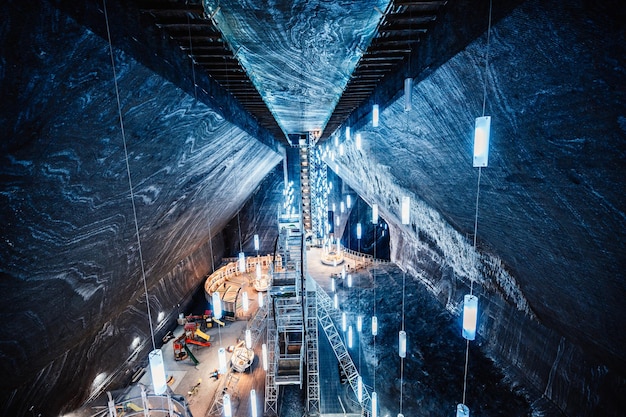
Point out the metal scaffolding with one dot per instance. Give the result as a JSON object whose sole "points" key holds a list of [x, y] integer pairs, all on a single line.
{"points": [[312, 352]]}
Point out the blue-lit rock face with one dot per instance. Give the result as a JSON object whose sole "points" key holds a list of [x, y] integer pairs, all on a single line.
{"points": [[73, 314], [299, 54], [551, 223]]}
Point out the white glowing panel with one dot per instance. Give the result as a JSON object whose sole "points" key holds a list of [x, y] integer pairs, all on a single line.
{"points": [[157, 370], [253, 406], [248, 339], [358, 141], [482, 130], [359, 388], [348, 201], [335, 301], [333, 286], [341, 151], [374, 325], [470, 316], [217, 305], [359, 324], [462, 410], [336, 140], [344, 321], [256, 242], [228, 410], [374, 404], [402, 344], [350, 337], [349, 280], [408, 91], [221, 360], [406, 209], [242, 262], [375, 110], [375, 213], [260, 299], [347, 132], [245, 302], [264, 356], [342, 207], [358, 231]]}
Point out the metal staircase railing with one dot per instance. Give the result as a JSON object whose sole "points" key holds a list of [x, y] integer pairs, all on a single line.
{"points": [[312, 352]]}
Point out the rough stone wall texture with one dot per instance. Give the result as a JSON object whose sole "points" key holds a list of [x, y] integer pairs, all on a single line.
{"points": [[72, 292], [552, 229]]}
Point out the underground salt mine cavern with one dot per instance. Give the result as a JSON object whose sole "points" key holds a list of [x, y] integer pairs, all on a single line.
{"points": [[295, 208]]}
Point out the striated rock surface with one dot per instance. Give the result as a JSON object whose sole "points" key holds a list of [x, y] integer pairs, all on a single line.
{"points": [[552, 226], [73, 314]]}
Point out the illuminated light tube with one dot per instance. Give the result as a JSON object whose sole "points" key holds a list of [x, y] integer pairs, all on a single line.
{"points": [[400, 415], [253, 406], [470, 316], [408, 92], [258, 271], [245, 302], [347, 132], [406, 209], [462, 410], [333, 286], [482, 131], [374, 325], [221, 360], [256, 242], [335, 301], [157, 370], [242, 262], [374, 404], [338, 244], [248, 339], [349, 280], [375, 110], [374, 213], [348, 201], [343, 272], [358, 141], [260, 299], [342, 207], [228, 410], [217, 305], [358, 231], [264, 356], [359, 388], [344, 322], [349, 337], [341, 151], [402, 344], [359, 324]]}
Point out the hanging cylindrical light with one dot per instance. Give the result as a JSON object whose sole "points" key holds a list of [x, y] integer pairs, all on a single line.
{"points": [[408, 92], [258, 271], [375, 110], [358, 141], [245, 301], [228, 411], [374, 404], [217, 305], [256, 242], [157, 371], [344, 321], [335, 301], [221, 360], [470, 316], [264, 356], [333, 286], [406, 209], [374, 325], [248, 339], [342, 207], [253, 406], [336, 140], [348, 201], [242, 262], [343, 272], [359, 324], [349, 280], [260, 299], [359, 388], [482, 131], [374, 213], [349, 337], [338, 246], [402, 344], [358, 231], [347, 132], [462, 410]]}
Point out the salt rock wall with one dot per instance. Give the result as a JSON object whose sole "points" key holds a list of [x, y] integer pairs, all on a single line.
{"points": [[73, 318], [549, 269]]}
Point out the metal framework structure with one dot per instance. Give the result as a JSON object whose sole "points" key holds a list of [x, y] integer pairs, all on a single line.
{"points": [[305, 184], [312, 350], [326, 314]]}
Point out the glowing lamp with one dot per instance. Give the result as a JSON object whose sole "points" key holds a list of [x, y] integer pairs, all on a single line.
{"points": [[343, 272], [341, 151], [358, 231], [253, 406], [408, 90], [402, 344], [349, 280], [242, 262], [374, 325], [462, 410], [375, 214], [342, 207], [344, 321], [482, 130], [400, 415], [335, 301], [248, 339], [406, 209], [157, 370], [348, 201], [336, 140], [375, 110], [359, 388], [217, 305], [358, 141], [347, 132], [359, 324], [260, 299], [228, 410], [221, 360], [256, 242], [374, 404], [245, 302], [258, 271], [333, 286], [264, 356], [349, 337], [470, 315], [338, 246]]}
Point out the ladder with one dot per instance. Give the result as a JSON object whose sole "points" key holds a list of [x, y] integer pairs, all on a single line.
{"points": [[312, 362]]}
